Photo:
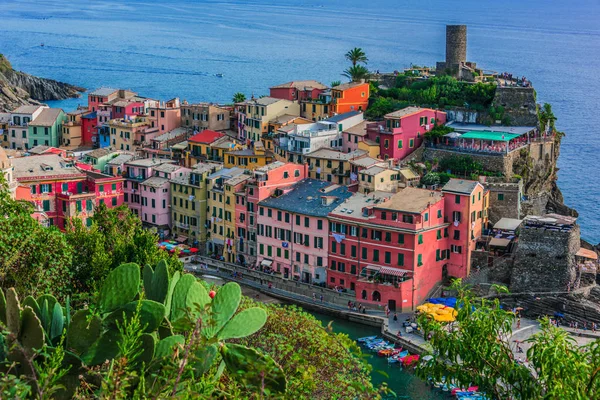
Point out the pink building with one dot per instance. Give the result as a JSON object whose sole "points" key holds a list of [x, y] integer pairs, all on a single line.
{"points": [[292, 230], [402, 131], [265, 181], [165, 115], [135, 172], [354, 135], [297, 90]]}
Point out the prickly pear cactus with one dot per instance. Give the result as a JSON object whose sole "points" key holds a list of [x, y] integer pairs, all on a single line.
{"points": [[120, 287], [84, 330], [156, 282]]}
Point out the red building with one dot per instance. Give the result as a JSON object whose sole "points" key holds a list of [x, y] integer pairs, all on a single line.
{"points": [[393, 249], [89, 128], [297, 90], [402, 131], [59, 190]]}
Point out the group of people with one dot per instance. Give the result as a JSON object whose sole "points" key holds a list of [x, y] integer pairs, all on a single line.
{"points": [[510, 81], [585, 326], [360, 308]]}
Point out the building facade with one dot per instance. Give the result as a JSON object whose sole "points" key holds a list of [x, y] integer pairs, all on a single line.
{"points": [[201, 116]]}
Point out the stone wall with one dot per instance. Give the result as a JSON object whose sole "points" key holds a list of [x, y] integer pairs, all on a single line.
{"points": [[462, 115], [505, 199], [493, 163], [545, 260], [519, 104]]}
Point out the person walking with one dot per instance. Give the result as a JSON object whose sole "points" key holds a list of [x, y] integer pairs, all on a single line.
{"points": [[518, 323], [314, 297], [395, 317], [321, 298]]}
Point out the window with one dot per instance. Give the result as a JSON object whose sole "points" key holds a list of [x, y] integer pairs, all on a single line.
{"points": [[278, 252], [473, 197], [388, 237], [269, 213], [353, 251], [261, 249], [46, 205], [456, 216], [334, 247], [456, 199], [407, 219], [342, 249], [457, 235], [306, 222], [437, 255], [89, 205], [500, 196], [386, 143], [364, 253], [399, 144], [78, 205], [426, 217], [400, 259], [101, 188], [388, 257], [439, 234], [456, 249], [383, 215], [320, 224], [319, 261], [411, 143], [114, 201], [375, 255], [401, 238], [297, 220], [261, 210], [420, 239], [419, 260], [439, 214], [269, 251], [114, 186], [375, 235], [287, 217]]}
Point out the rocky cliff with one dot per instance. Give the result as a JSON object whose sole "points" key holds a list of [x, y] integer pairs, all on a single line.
{"points": [[18, 88]]}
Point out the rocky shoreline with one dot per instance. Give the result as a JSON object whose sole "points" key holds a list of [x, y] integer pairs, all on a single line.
{"points": [[18, 88]]}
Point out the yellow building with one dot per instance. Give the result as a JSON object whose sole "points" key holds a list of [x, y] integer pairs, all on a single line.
{"points": [[219, 219], [370, 147], [258, 113], [189, 202], [332, 165], [127, 134], [208, 146], [378, 178], [71, 129], [232, 186], [249, 158]]}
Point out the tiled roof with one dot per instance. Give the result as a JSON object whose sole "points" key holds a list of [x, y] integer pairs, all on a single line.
{"points": [[341, 117], [461, 186], [358, 129], [346, 86], [120, 159], [172, 134], [168, 168], [155, 181], [148, 162], [103, 92], [101, 152], [365, 162], [25, 109], [206, 136], [411, 200], [406, 111], [47, 117], [330, 154], [43, 165], [301, 85], [265, 101], [354, 205], [305, 198]]}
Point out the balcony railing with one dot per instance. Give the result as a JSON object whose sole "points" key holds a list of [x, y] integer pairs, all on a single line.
{"points": [[181, 225]]}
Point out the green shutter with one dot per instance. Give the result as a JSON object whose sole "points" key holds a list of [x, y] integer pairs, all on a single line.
{"points": [[78, 205], [419, 259], [65, 187], [33, 189], [400, 259], [114, 186]]}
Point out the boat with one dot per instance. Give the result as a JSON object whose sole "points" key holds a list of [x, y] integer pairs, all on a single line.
{"points": [[409, 360], [366, 339], [42, 45], [396, 358], [219, 75], [388, 352]]}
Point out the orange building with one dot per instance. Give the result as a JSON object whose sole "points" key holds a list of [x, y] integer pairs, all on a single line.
{"points": [[353, 96]]}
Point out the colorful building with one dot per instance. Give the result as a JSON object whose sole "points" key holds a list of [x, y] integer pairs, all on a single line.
{"points": [[202, 116], [189, 204], [72, 136], [292, 230], [128, 134], [46, 128], [208, 146], [403, 131], [307, 138], [59, 190], [20, 119], [135, 172], [297, 90], [354, 135], [254, 121], [332, 165], [220, 220], [165, 115], [99, 157], [252, 158], [378, 178], [89, 129], [161, 145], [232, 187], [353, 96], [115, 166], [266, 180]]}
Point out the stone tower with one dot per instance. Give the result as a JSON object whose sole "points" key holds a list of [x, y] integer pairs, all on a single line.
{"points": [[456, 45]]}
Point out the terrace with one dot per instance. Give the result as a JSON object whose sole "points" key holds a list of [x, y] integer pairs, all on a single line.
{"points": [[482, 142]]}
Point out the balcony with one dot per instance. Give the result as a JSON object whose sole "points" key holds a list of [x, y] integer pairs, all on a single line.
{"points": [[138, 178], [340, 172], [181, 225]]}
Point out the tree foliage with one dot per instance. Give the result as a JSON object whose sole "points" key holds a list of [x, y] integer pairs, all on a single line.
{"points": [[356, 55], [356, 73], [239, 97], [475, 350]]}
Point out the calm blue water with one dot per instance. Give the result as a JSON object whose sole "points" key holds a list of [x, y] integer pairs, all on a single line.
{"points": [[176, 48]]}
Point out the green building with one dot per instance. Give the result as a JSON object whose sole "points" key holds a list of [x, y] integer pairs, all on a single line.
{"points": [[100, 157], [45, 129]]}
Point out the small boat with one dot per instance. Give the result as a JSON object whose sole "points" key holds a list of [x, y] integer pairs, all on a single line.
{"points": [[388, 352], [396, 358], [366, 339], [409, 360], [42, 45], [219, 75]]}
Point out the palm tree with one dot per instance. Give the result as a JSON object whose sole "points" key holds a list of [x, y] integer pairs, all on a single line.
{"points": [[356, 73], [239, 97], [336, 83], [356, 55]]}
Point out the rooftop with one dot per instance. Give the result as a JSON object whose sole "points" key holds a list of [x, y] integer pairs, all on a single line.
{"points": [[25, 109], [250, 152], [201, 168], [265, 101], [354, 205], [305, 198], [172, 134], [223, 143], [180, 146], [103, 92], [359, 129], [47, 117], [496, 136], [349, 85], [460, 186], [301, 85], [226, 173], [374, 170], [462, 128], [206, 136], [155, 181], [42, 166], [285, 119], [508, 224], [101, 152], [91, 115], [411, 200], [238, 179], [270, 167], [408, 173], [341, 117], [406, 112], [365, 162], [120, 159], [147, 162], [168, 168], [330, 154]]}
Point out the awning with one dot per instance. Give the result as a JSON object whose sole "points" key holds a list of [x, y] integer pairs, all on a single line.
{"points": [[489, 135], [372, 267], [181, 239], [585, 253], [393, 271], [499, 242], [508, 224], [266, 263]]}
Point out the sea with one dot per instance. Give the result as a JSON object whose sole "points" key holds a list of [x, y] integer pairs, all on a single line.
{"points": [[176, 48]]}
